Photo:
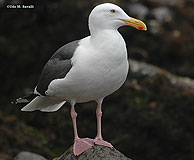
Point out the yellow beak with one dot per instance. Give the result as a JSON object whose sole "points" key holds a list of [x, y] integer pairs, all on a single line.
{"points": [[135, 23]]}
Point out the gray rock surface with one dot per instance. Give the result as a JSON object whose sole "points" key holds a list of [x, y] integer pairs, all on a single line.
{"points": [[141, 69], [96, 153], [137, 9], [29, 156], [162, 14]]}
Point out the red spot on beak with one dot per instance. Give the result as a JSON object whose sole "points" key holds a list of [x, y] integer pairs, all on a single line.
{"points": [[140, 27]]}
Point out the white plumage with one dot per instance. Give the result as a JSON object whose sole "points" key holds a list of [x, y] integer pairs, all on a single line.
{"points": [[96, 72], [99, 68], [85, 70]]}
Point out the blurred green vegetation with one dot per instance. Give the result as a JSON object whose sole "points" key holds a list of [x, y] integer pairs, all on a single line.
{"points": [[152, 122]]}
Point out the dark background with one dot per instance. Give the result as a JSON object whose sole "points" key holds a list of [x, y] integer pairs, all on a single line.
{"points": [[152, 123]]}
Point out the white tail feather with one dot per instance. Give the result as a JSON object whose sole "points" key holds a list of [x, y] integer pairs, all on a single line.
{"points": [[45, 104], [52, 108]]}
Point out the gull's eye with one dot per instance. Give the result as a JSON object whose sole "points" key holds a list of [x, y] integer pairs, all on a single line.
{"points": [[112, 11]]}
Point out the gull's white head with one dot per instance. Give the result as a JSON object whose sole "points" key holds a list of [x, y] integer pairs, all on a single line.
{"points": [[111, 16]]}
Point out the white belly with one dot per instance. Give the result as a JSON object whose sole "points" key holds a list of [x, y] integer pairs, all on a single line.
{"points": [[92, 85], [94, 75]]}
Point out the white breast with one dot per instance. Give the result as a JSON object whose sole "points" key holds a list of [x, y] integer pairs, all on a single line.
{"points": [[99, 69]]}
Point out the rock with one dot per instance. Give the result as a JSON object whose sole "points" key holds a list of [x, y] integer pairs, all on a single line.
{"points": [[167, 2], [154, 26], [29, 156], [96, 153], [137, 9], [141, 69], [162, 14]]}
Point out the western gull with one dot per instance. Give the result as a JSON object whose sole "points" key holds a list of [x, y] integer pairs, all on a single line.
{"points": [[86, 70]]}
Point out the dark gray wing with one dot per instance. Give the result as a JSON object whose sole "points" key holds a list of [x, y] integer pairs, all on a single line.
{"points": [[57, 66]]}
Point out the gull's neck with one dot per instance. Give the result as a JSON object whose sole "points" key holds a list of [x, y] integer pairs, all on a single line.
{"points": [[105, 36], [110, 44]]}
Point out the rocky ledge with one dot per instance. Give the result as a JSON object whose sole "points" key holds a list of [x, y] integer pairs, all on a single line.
{"points": [[96, 153]]}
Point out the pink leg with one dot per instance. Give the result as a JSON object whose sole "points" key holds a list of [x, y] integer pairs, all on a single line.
{"points": [[74, 116], [80, 144], [99, 140]]}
